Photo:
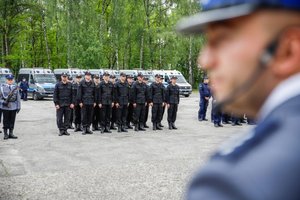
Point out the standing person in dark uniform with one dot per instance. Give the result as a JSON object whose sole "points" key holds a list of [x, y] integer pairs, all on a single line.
{"points": [[164, 105], [70, 80], [130, 113], [63, 101], [216, 114], [145, 80], [10, 106], [87, 101], [96, 113], [24, 86], [205, 94], [114, 109], [77, 109], [105, 101], [156, 97], [139, 102], [121, 93], [172, 100]]}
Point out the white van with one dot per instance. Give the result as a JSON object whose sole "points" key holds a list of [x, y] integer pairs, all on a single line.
{"points": [[70, 71], [3, 73], [41, 82]]}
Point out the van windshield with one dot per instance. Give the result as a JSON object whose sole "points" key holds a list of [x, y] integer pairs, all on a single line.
{"points": [[2, 78], [44, 78], [180, 79]]}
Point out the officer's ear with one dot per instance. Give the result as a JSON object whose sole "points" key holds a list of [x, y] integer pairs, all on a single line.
{"points": [[286, 60]]}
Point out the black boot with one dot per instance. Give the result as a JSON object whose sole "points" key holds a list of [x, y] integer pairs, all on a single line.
{"points": [[112, 126], [146, 126], [61, 133], [66, 132], [136, 127], [5, 134], [119, 129], [88, 130], [77, 128], [84, 131], [160, 125], [173, 126], [170, 126], [71, 126], [107, 129], [141, 127], [154, 126], [129, 126], [123, 129], [102, 129], [11, 134]]}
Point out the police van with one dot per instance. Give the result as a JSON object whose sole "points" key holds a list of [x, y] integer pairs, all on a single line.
{"points": [[185, 88], [41, 82], [3, 73], [73, 72]]}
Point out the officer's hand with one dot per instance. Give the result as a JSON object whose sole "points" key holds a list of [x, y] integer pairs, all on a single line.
{"points": [[57, 107], [112, 104], [163, 104], [100, 105], [95, 104], [117, 105], [18, 110], [207, 98], [72, 106], [168, 105], [151, 104], [134, 105], [81, 105]]}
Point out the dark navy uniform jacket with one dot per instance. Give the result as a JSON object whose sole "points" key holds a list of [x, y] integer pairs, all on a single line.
{"points": [[261, 165], [204, 90]]}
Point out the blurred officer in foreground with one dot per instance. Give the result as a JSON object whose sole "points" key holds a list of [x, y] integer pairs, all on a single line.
{"points": [[156, 99], [130, 113], [96, 112], [106, 102], [145, 80], [10, 106], [77, 109], [172, 100], [204, 91], [87, 100], [121, 97], [139, 103], [24, 86], [63, 102], [252, 55]]}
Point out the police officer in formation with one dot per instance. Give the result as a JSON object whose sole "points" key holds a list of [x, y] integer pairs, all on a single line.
{"points": [[164, 105], [87, 100], [97, 110], [139, 102], [77, 109], [63, 100], [114, 108], [130, 115], [205, 94], [121, 93], [10, 106], [145, 80], [172, 100], [156, 97], [106, 102]]}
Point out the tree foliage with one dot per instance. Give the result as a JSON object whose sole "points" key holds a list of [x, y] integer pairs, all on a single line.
{"points": [[115, 34]]}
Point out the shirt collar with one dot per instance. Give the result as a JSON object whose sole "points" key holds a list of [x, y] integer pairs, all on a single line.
{"points": [[283, 92]]}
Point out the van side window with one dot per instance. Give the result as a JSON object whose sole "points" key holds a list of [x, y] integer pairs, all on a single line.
{"points": [[166, 79], [31, 79]]}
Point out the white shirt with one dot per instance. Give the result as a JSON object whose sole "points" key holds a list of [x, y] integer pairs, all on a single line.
{"points": [[282, 93]]}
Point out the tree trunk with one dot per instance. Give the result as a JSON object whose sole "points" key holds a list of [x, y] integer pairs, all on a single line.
{"points": [[190, 62], [142, 52], [45, 38]]}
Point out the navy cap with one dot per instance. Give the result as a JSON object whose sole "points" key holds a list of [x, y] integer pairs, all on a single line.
{"points": [[129, 76], [205, 77], [64, 74], [96, 76], [158, 76], [105, 74], [173, 77], [140, 74], [87, 73], [122, 74], [78, 76], [219, 10], [112, 76], [9, 76]]}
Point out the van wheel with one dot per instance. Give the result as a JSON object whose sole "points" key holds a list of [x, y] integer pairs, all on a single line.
{"points": [[34, 97], [186, 95]]}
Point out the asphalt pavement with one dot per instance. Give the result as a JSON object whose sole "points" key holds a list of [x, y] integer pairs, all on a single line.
{"points": [[151, 165]]}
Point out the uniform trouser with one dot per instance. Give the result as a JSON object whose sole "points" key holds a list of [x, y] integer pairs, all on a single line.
{"points": [[77, 114], [216, 115], [106, 115], [146, 113], [114, 114], [203, 108], [63, 117], [162, 113], [121, 114], [139, 113], [71, 117], [130, 114], [24, 95], [157, 110], [9, 117], [87, 115], [172, 113], [0, 115], [96, 116]]}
